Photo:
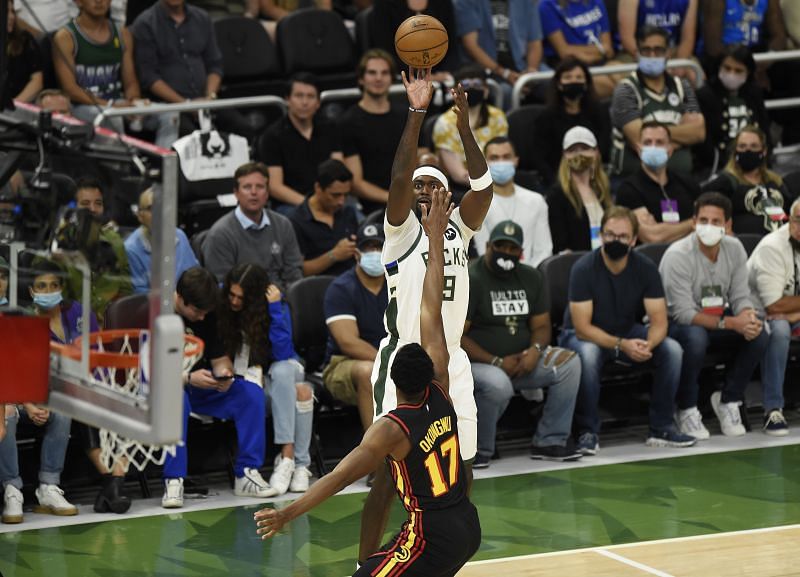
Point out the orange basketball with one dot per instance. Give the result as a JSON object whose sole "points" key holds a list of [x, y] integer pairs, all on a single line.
{"points": [[421, 41]]}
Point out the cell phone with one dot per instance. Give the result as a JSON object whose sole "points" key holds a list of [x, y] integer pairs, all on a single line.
{"points": [[222, 377]]}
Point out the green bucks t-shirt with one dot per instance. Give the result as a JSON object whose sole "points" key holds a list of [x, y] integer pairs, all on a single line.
{"points": [[500, 307]]}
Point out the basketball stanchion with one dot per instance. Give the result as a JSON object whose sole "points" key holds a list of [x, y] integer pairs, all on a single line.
{"points": [[24, 370], [119, 361]]}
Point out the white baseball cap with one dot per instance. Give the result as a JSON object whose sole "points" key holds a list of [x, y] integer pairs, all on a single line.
{"points": [[579, 134]]}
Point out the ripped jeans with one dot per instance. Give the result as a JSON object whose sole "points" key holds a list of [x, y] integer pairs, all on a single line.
{"points": [[494, 389]]}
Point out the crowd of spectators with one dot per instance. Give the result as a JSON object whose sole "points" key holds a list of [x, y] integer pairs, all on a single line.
{"points": [[619, 160]]}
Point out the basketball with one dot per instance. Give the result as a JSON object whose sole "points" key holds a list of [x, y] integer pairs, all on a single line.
{"points": [[421, 41]]}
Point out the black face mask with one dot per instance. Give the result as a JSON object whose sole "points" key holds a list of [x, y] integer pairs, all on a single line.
{"points": [[503, 263], [749, 159], [476, 96], [573, 90], [795, 243], [615, 250]]}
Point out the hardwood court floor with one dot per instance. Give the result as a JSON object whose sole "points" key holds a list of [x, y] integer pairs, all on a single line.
{"points": [[606, 507]]}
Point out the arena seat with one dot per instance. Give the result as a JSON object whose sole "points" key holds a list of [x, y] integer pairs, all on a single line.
{"points": [[750, 241], [364, 40], [520, 132], [653, 250]]}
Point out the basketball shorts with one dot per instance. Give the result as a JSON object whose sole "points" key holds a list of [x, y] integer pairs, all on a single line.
{"points": [[430, 544], [384, 395]]}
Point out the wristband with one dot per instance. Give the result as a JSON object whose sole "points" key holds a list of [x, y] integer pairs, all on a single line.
{"points": [[497, 361], [422, 110], [482, 182]]}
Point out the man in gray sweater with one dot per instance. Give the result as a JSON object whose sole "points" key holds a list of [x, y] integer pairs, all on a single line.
{"points": [[253, 233], [709, 302]]}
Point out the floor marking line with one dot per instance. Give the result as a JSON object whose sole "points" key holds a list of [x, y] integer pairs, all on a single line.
{"points": [[632, 563], [636, 544]]}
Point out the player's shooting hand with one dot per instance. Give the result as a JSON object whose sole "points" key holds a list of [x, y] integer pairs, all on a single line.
{"points": [[269, 522], [419, 87], [460, 106], [435, 218]]}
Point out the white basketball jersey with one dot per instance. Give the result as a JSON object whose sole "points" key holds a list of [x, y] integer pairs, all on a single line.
{"points": [[405, 257]]}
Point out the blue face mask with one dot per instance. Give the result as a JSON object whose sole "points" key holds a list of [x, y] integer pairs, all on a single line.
{"points": [[502, 171], [3, 301], [652, 65], [371, 264], [654, 157], [47, 301]]}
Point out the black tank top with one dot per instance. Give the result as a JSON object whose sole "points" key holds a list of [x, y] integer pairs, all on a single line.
{"points": [[432, 476]]}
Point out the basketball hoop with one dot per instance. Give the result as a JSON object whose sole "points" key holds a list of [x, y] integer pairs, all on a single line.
{"points": [[119, 361]]}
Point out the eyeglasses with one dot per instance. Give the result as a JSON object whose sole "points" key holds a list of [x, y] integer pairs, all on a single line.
{"points": [[611, 237], [652, 51], [145, 208]]}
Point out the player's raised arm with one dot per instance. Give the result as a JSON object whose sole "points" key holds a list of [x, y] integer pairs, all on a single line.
{"points": [[476, 202], [419, 89], [434, 221]]}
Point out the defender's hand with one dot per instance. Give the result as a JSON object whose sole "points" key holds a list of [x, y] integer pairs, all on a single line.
{"points": [[269, 522], [435, 219], [460, 106], [419, 87]]}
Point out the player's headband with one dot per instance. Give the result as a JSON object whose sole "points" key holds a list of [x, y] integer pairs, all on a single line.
{"points": [[432, 171]]}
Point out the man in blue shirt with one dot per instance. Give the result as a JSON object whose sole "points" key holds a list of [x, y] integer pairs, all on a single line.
{"points": [[607, 290], [138, 247], [354, 307]]}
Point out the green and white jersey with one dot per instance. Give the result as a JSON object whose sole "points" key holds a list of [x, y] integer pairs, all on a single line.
{"points": [[405, 257]]}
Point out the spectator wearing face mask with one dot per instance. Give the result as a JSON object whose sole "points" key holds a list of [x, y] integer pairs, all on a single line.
{"points": [[660, 199], [730, 100], [759, 196], [572, 101], [525, 207], [486, 121], [582, 194], [705, 280]]}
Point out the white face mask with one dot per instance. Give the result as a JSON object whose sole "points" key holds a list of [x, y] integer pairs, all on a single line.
{"points": [[710, 234]]}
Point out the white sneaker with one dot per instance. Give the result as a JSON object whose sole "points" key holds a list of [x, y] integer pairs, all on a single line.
{"points": [[690, 422], [282, 475], [51, 500], [730, 421], [173, 493], [12, 511], [252, 484], [300, 478]]}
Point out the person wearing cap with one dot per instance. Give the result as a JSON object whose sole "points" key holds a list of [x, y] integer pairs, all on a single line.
{"points": [[354, 306], [582, 194], [661, 198], [652, 93], [138, 246], [514, 202], [507, 338], [608, 288], [324, 225]]}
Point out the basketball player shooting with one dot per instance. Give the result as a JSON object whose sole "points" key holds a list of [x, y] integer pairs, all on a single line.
{"points": [[418, 440], [405, 254]]}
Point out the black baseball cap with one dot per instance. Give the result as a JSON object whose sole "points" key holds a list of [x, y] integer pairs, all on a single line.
{"points": [[507, 230], [370, 231]]}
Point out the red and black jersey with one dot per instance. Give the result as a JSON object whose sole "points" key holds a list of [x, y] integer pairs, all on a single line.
{"points": [[431, 477]]}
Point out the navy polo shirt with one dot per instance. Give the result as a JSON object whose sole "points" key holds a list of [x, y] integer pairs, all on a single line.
{"points": [[347, 298], [315, 238]]}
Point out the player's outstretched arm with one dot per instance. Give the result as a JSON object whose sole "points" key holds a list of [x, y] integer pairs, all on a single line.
{"points": [[383, 438], [476, 203], [435, 221], [419, 89]]}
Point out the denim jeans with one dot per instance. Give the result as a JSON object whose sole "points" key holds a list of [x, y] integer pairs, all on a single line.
{"points": [[666, 362], [773, 365], [242, 403], [290, 423], [695, 341], [494, 388], [54, 450]]}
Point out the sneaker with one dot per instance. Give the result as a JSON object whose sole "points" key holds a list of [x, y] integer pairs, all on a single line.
{"points": [[12, 511], [566, 452], [300, 478], [252, 484], [51, 500], [669, 438], [173, 493], [282, 474], [775, 424], [690, 422], [730, 421], [481, 461], [588, 443]]}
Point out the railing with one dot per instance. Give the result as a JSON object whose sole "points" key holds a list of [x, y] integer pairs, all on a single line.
{"points": [[533, 77]]}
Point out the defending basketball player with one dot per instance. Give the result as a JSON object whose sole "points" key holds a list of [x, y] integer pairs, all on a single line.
{"points": [[419, 441], [405, 253]]}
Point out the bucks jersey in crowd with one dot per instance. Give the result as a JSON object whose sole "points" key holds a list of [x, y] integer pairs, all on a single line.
{"points": [[98, 67]]}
